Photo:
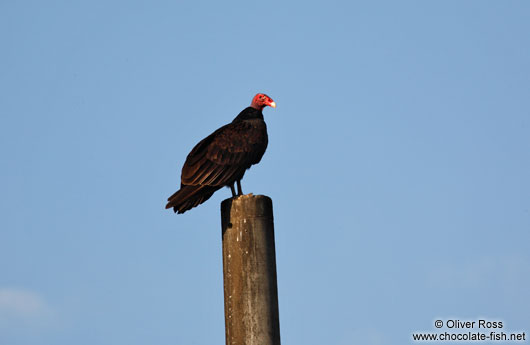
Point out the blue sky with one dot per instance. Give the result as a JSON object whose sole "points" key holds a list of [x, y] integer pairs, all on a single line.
{"points": [[398, 164]]}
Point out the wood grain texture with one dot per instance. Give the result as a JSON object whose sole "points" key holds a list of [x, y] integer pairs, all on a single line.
{"points": [[249, 271]]}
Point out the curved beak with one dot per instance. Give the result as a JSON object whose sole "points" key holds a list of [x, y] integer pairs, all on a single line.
{"points": [[273, 104]]}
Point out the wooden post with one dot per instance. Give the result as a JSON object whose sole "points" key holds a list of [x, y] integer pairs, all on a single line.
{"points": [[249, 271]]}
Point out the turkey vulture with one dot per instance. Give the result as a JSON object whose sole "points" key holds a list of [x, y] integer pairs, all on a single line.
{"points": [[222, 158]]}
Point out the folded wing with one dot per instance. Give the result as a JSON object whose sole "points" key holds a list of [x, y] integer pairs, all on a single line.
{"points": [[219, 160]]}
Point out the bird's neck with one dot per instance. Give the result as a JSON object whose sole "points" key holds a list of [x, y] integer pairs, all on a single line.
{"points": [[249, 114]]}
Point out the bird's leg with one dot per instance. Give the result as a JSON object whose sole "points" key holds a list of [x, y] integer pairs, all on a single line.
{"points": [[239, 190], [233, 190]]}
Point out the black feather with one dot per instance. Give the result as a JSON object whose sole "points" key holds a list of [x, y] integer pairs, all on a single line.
{"points": [[221, 159]]}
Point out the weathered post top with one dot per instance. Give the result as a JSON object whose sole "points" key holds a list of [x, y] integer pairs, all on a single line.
{"points": [[249, 271]]}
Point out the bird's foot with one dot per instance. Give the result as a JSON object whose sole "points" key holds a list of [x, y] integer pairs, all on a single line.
{"points": [[239, 189]]}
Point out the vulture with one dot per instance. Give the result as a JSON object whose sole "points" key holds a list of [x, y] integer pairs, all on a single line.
{"points": [[222, 158]]}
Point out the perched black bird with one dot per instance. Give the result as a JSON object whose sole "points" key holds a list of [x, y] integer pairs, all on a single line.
{"points": [[222, 158]]}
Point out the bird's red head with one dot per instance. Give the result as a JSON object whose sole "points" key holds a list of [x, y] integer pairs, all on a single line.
{"points": [[261, 100]]}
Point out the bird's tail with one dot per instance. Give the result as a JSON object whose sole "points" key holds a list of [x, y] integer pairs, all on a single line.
{"points": [[188, 197]]}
